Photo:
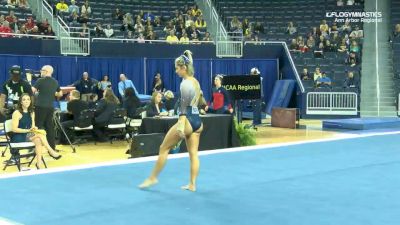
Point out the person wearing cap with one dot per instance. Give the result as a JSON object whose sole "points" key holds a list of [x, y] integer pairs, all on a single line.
{"points": [[46, 89], [13, 89], [220, 101], [257, 103]]}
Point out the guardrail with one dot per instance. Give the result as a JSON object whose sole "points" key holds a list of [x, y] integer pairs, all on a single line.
{"points": [[146, 41], [332, 103], [15, 35]]}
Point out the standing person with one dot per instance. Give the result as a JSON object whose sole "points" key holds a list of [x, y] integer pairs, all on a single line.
{"points": [[124, 84], [188, 127], [220, 102], [103, 85], [12, 90], [257, 102], [158, 84], [86, 86], [46, 88]]}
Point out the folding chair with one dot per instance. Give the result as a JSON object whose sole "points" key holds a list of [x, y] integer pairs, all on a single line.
{"points": [[85, 124], [15, 149], [117, 123]]}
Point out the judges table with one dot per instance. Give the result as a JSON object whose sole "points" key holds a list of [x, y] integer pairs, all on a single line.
{"points": [[218, 130]]}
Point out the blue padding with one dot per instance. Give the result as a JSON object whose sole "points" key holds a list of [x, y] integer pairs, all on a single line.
{"points": [[144, 98], [362, 123], [283, 90]]}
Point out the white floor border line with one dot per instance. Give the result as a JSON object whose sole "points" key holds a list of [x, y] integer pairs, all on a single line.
{"points": [[184, 155], [4, 221]]}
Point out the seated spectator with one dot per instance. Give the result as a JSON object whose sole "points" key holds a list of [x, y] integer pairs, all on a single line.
{"points": [[103, 115], [324, 28], [301, 45], [73, 19], [151, 36], [196, 11], [30, 23], [305, 75], [5, 28], [22, 30], [317, 74], [345, 28], [118, 14], [127, 23], [155, 107], [86, 86], [180, 29], [184, 39], [340, 3], [49, 31], [103, 85], [207, 37], [86, 9], [157, 22], [131, 103], [189, 21], [99, 31], [291, 29], [258, 28], [246, 27], [352, 56], [343, 46], [353, 63], [73, 8], [158, 84], [23, 4], [74, 107], [335, 40], [334, 29], [83, 18], [12, 4], [108, 31], [62, 7], [124, 84], [23, 123], [148, 16], [235, 25], [35, 31], [396, 33], [12, 19], [43, 25], [195, 38], [140, 39], [169, 27], [170, 100], [129, 35], [354, 47], [351, 81], [328, 47], [323, 81], [172, 39], [357, 33], [316, 33], [311, 42], [200, 22], [293, 45], [2, 19], [220, 100], [192, 29], [139, 28], [350, 2]]}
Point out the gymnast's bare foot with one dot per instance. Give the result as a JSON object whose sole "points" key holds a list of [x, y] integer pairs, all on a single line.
{"points": [[148, 183], [189, 187]]}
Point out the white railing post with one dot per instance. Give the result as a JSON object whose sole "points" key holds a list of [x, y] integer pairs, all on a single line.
{"points": [[331, 103]]}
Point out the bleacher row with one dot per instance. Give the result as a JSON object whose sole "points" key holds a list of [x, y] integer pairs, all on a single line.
{"points": [[305, 14], [102, 11]]}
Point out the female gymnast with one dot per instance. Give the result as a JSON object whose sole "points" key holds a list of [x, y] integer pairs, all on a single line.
{"points": [[188, 127]]}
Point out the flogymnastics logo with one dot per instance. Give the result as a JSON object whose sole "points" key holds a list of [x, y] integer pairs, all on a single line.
{"points": [[355, 17]]}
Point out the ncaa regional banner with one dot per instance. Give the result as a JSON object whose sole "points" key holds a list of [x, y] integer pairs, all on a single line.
{"points": [[243, 86]]}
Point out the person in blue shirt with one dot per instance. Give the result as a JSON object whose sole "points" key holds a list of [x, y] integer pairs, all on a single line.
{"points": [[323, 81], [124, 84]]}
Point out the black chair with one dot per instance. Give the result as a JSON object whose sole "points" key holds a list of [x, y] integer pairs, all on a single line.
{"points": [[84, 125], [16, 149], [117, 125]]}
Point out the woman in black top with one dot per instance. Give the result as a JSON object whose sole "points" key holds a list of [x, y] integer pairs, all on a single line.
{"points": [[104, 112], [130, 102], [158, 84], [155, 107]]}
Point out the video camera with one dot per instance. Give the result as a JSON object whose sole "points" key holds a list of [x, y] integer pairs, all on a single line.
{"points": [[31, 74]]}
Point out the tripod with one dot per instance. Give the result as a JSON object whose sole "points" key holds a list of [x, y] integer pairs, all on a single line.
{"points": [[57, 122]]}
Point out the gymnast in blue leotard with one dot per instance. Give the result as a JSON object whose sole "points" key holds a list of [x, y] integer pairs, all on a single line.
{"points": [[188, 127]]}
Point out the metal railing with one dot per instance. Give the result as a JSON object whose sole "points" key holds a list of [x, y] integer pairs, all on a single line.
{"points": [[217, 26], [75, 46], [15, 35], [332, 103], [292, 65], [147, 41], [398, 105]]}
